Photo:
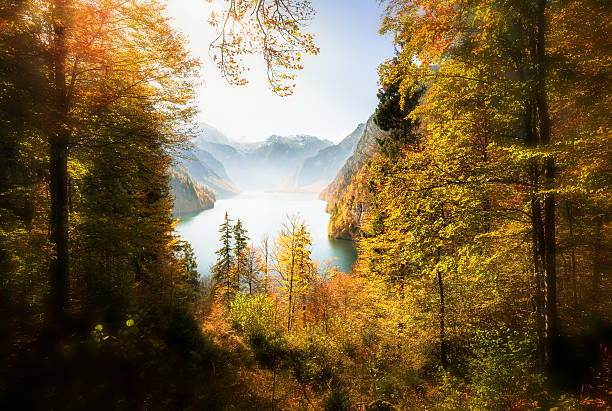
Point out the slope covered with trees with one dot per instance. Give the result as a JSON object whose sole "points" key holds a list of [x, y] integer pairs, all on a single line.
{"points": [[97, 293], [495, 161], [205, 169], [346, 195], [189, 196]]}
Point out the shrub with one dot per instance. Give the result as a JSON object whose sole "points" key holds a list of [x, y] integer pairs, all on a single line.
{"points": [[503, 373], [254, 316]]}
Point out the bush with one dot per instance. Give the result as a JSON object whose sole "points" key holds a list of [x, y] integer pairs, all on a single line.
{"points": [[503, 372], [338, 400], [253, 315]]}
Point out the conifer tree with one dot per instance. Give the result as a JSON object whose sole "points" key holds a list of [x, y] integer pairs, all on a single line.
{"points": [[240, 249], [222, 271]]}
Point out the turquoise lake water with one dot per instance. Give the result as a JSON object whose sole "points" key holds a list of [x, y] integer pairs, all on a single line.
{"points": [[261, 214]]}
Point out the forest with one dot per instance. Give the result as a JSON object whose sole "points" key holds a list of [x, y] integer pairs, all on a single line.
{"points": [[481, 212]]}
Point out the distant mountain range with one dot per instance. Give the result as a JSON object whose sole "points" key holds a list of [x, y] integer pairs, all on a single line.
{"points": [[288, 163], [266, 165]]}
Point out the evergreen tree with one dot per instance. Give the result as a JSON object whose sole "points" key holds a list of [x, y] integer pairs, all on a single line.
{"points": [[240, 251], [190, 276], [391, 115], [222, 271]]}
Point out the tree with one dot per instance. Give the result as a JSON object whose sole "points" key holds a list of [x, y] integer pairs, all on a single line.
{"points": [[443, 38], [265, 258], [222, 271], [392, 114], [190, 276], [252, 270], [293, 263], [81, 80], [268, 27], [240, 251], [493, 162]]}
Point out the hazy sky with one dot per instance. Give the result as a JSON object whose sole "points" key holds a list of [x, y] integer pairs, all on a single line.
{"points": [[335, 91]]}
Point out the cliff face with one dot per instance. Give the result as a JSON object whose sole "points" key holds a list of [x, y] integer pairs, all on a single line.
{"points": [[347, 195], [347, 212], [189, 196]]}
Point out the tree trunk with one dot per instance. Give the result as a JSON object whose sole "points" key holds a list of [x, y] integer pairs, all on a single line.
{"points": [[550, 281], [596, 262], [290, 312], [550, 274], [443, 357], [538, 250], [570, 221], [537, 228], [58, 174], [59, 142]]}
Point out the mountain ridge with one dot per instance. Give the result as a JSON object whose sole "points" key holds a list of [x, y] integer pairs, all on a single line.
{"points": [[264, 165]]}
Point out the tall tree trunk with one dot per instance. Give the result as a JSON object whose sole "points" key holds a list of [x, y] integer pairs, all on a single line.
{"points": [[59, 141], [550, 274], [537, 228], [596, 263], [443, 356], [59, 227], [538, 250], [570, 222], [291, 302]]}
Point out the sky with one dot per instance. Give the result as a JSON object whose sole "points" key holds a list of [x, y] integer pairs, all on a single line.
{"points": [[334, 92]]}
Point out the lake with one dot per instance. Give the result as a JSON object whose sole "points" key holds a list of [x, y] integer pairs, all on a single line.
{"points": [[264, 213]]}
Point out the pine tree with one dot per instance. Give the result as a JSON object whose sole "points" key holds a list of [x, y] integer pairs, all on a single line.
{"points": [[222, 271], [240, 248]]}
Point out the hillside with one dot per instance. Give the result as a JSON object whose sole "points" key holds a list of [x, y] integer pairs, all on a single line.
{"points": [[208, 171], [346, 195], [317, 171], [189, 196]]}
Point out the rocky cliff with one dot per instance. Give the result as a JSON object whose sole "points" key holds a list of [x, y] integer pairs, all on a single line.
{"points": [[347, 195]]}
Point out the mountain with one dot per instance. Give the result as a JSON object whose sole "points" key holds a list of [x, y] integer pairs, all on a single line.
{"points": [[189, 196], [319, 170], [207, 133], [211, 162], [346, 196], [266, 165], [208, 171]]}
